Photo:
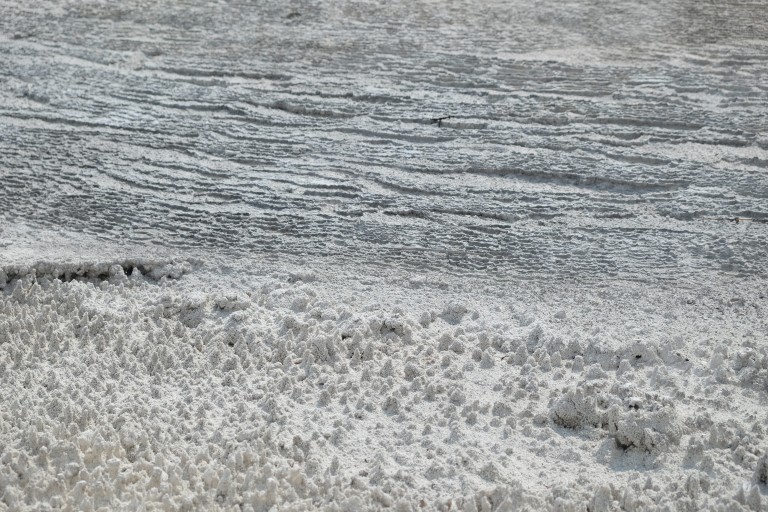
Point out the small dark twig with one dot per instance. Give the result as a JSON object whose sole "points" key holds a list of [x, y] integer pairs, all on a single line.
{"points": [[439, 120], [736, 219]]}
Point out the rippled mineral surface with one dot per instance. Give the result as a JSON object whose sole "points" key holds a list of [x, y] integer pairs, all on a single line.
{"points": [[407, 255], [585, 139]]}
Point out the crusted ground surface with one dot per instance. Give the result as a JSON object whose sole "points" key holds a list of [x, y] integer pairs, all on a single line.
{"points": [[405, 255]]}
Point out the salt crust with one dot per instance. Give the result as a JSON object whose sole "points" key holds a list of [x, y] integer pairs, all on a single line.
{"points": [[127, 386]]}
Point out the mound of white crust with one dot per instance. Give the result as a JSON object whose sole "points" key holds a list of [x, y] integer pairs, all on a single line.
{"points": [[125, 385]]}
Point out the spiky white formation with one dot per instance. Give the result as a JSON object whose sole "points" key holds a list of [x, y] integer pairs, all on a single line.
{"points": [[124, 391]]}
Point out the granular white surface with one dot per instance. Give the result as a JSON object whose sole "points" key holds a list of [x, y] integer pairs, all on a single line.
{"points": [[305, 390]]}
